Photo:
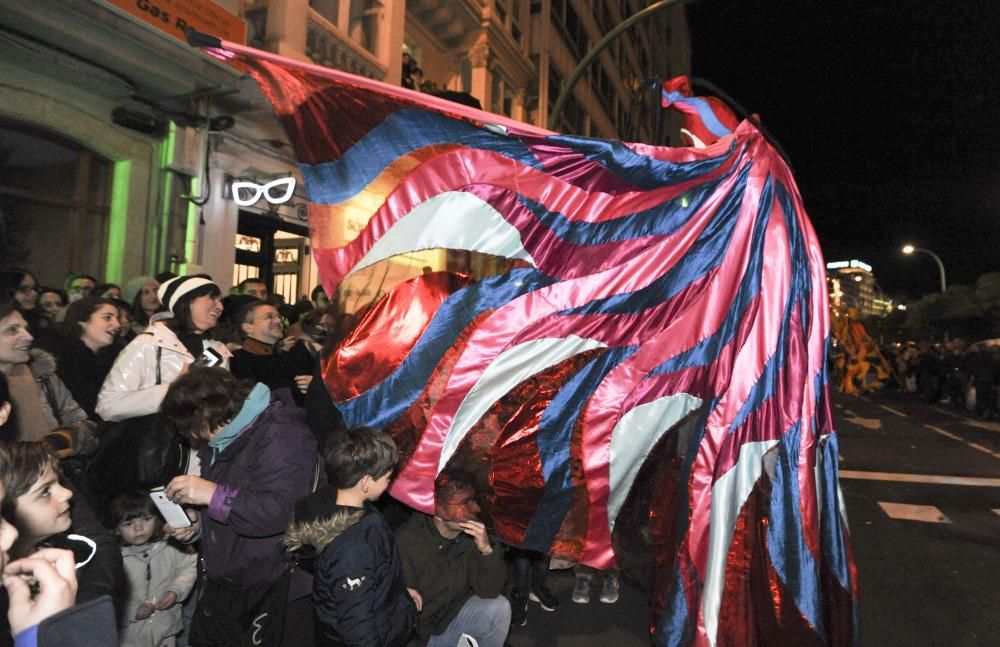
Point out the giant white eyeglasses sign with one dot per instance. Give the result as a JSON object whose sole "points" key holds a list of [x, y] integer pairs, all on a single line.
{"points": [[280, 191]]}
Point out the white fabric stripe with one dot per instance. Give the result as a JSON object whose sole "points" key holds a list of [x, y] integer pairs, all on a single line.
{"points": [[634, 437], [444, 222], [504, 373], [728, 496]]}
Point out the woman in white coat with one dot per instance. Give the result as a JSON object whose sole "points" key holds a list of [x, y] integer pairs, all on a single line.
{"points": [[173, 341]]}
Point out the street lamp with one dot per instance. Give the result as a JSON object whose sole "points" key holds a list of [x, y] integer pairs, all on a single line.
{"points": [[909, 249]]}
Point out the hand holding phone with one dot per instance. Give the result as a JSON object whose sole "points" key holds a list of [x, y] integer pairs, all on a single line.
{"points": [[209, 357], [172, 513]]}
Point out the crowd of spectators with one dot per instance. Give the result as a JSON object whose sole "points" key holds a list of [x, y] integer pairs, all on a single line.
{"points": [[961, 375], [166, 391]]}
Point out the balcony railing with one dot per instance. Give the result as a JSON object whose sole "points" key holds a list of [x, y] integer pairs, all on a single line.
{"points": [[327, 45]]}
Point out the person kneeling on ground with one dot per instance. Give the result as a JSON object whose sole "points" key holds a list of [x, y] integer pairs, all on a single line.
{"points": [[457, 569]]}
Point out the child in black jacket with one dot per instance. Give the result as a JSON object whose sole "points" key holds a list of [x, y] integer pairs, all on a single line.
{"points": [[359, 592]]}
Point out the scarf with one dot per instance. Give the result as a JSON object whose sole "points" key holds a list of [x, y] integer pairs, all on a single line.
{"points": [[252, 407]]}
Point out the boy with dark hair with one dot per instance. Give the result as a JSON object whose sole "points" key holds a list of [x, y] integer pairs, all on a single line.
{"points": [[358, 588]]}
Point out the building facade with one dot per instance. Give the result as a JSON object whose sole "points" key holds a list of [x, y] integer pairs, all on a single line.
{"points": [[852, 285], [121, 144]]}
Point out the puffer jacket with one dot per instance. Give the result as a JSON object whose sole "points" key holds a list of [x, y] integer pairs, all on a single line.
{"points": [[359, 592], [152, 571], [141, 375]]}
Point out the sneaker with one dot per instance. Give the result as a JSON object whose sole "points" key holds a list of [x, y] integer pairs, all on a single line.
{"points": [[581, 592], [544, 597], [609, 590], [518, 611]]}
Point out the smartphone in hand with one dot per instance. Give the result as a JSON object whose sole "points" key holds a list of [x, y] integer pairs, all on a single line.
{"points": [[173, 513], [208, 357]]}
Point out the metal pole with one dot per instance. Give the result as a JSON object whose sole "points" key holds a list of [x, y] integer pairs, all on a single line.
{"points": [[940, 265], [567, 90]]}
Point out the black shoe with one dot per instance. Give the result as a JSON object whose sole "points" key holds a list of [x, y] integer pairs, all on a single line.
{"points": [[518, 611], [544, 597]]}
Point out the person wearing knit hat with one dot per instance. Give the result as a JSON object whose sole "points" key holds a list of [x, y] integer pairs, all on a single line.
{"points": [[140, 293], [174, 340], [185, 289]]}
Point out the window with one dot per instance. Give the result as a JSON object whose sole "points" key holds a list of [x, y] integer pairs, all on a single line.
{"points": [[359, 19], [501, 95], [364, 19], [55, 199]]}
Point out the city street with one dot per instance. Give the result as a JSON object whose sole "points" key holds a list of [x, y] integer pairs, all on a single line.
{"points": [[922, 485]]}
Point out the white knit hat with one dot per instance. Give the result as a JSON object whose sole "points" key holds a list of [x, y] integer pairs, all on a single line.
{"points": [[171, 292]]}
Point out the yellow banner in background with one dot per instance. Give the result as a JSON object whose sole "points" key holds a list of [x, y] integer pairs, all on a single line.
{"points": [[175, 16]]}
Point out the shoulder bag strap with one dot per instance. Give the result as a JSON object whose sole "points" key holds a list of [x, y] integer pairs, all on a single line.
{"points": [[50, 397]]}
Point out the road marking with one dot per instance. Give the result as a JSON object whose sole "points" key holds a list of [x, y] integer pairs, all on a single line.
{"points": [[925, 513], [997, 510], [975, 446], [991, 426], [894, 411], [939, 479], [867, 423], [947, 413], [988, 426]]}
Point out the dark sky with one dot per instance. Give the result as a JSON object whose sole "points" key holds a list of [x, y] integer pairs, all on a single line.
{"points": [[889, 113]]}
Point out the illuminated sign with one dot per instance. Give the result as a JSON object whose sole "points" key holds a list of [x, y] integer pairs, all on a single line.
{"points": [[853, 264], [247, 243], [246, 193], [174, 17]]}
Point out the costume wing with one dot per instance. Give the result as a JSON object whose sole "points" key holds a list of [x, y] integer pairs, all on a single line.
{"points": [[656, 362]]}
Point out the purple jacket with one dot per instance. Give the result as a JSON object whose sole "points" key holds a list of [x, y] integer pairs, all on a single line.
{"points": [[260, 476]]}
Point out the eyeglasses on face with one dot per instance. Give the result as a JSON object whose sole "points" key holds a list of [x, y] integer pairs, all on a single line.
{"points": [[24, 289]]}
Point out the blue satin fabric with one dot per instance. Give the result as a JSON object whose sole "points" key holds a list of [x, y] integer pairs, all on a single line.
{"points": [[386, 401]]}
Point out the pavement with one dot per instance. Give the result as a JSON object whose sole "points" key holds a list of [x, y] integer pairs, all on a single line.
{"points": [[622, 624], [922, 490]]}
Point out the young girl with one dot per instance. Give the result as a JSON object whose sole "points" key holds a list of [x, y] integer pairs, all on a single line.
{"points": [[159, 574]]}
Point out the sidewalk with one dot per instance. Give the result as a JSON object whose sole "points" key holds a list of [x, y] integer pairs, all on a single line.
{"points": [[623, 624]]}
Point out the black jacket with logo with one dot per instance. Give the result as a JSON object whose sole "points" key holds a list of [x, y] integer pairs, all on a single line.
{"points": [[359, 592]]}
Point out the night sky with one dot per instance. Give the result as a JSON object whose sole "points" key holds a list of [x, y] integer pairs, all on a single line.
{"points": [[889, 113]]}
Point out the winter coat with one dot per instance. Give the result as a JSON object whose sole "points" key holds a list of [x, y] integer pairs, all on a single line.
{"points": [[84, 624], [152, 571], [103, 573], [359, 592], [277, 369], [81, 369], [259, 477], [41, 400], [99, 573], [141, 375], [446, 572]]}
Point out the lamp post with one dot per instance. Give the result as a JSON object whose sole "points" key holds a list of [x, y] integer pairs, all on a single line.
{"points": [[909, 249], [591, 56]]}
